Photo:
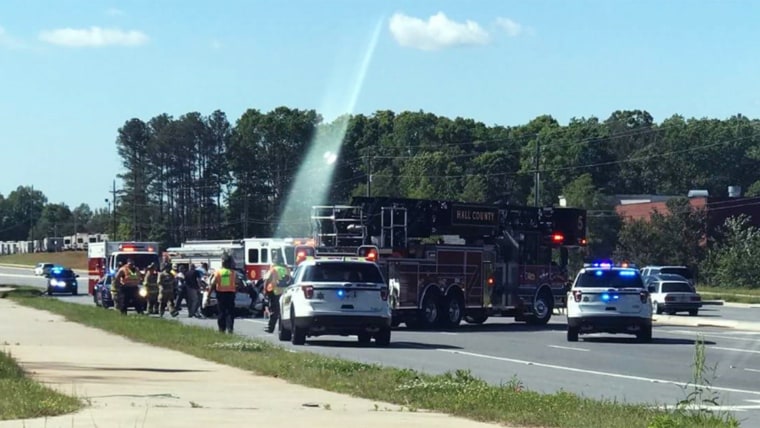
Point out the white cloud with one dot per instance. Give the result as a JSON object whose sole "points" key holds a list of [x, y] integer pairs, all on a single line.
{"points": [[512, 28], [436, 33], [93, 37], [114, 12], [8, 41]]}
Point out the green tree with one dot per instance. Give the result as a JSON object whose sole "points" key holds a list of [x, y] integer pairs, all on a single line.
{"points": [[732, 260]]}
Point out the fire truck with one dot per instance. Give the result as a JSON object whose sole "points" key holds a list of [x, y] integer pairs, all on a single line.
{"points": [[449, 261], [105, 257]]}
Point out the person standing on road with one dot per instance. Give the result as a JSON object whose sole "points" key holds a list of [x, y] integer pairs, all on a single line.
{"points": [[166, 284], [193, 291], [128, 282], [151, 284], [115, 286], [181, 290], [277, 279], [223, 284]]}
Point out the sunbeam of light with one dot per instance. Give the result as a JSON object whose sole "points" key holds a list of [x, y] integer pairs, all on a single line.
{"points": [[313, 183]]}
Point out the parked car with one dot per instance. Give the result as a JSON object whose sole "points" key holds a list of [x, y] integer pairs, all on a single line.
{"points": [[249, 298], [101, 294], [651, 271], [43, 269], [672, 293]]}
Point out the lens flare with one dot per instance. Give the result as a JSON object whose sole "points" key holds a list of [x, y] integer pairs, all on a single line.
{"points": [[313, 183]]}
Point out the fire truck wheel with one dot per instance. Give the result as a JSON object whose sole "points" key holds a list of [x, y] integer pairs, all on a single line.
{"points": [[542, 309], [452, 311], [431, 313]]}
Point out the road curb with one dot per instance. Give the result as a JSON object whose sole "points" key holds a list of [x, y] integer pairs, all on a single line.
{"points": [[697, 322]]}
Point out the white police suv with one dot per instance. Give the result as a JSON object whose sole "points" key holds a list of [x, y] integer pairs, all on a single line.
{"points": [[609, 299], [336, 296]]}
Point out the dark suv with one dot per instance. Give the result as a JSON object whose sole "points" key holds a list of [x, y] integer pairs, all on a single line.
{"points": [[62, 280]]}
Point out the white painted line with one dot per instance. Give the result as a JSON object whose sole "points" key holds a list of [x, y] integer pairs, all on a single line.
{"points": [[747, 351], [449, 333], [568, 348], [753, 370], [256, 321], [599, 373], [727, 335], [15, 275]]}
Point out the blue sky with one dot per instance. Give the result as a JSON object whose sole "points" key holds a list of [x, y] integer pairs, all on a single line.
{"points": [[72, 72]]}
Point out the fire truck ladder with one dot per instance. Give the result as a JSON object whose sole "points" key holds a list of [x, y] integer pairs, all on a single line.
{"points": [[393, 227], [338, 225]]}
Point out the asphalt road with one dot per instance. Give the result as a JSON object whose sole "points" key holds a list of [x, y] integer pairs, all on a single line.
{"points": [[599, 366]]}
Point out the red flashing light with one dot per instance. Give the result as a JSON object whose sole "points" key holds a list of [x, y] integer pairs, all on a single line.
{"points": [[369, 252], [371, 256], [490, 281], [557, 238], [583, 241], [308, 291]]}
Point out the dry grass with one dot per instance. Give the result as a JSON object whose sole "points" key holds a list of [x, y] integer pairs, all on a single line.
{"points": [[72, 259]]}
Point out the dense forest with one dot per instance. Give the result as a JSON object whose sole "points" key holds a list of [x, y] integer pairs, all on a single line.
{"points": [[197, 176]]}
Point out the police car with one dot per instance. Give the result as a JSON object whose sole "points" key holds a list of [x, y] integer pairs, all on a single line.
{"points": [[606, 298], [336, 296], [62, 280]]}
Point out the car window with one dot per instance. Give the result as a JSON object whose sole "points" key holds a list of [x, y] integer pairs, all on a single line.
{"points": [[684, 272], [602, 278], [343, 272], [676, 287]]}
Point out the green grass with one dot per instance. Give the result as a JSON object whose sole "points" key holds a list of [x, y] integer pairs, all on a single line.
{"points": [[70, 259], [728, 294], [23, 398], [457, 393]]}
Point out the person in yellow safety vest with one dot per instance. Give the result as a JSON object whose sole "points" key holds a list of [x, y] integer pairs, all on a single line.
{"points": [[115, 286], [151, 284], [127, 286], [275, 282], [223, 283], [166, 284]]}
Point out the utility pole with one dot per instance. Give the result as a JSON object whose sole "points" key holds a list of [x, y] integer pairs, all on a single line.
{"points": [[369, 176], [537, 173], [113, 212]]}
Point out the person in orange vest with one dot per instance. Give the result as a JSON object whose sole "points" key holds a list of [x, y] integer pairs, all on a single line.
{"points": [[275, 282], [223, 283], [127, 281]]}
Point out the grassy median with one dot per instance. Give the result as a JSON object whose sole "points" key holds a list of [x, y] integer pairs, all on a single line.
{"points": [[22, 398], [456, 393], [730, 294]]}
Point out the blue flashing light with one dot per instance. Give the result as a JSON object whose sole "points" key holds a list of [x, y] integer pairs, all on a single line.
{"points": [[341, 293], [627, 273], [605, 297], [57, 270], [112, 272], [598, 273]]}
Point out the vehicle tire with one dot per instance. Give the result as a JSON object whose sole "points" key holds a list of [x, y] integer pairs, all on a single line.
{"points": [[395, 323], [282, 334], [383, 337], [431, 314], [644, 335], [74, 292], [657, 308], [476, 319], [572, 334], [693, 312], [297, 334], [364, 338], [543, 307], [452, 311], [49, 291]]}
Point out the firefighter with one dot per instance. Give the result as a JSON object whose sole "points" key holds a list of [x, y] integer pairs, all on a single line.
{"points": [[127, 281], [277, 279], [223, 284], [114, 286], [151, 285], [166, 284]]}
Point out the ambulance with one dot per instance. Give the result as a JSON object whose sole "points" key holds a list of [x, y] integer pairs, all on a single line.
{"points": [[105, 257]]}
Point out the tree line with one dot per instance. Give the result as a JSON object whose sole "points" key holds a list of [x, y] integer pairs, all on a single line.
{"points": [[201, 176]]}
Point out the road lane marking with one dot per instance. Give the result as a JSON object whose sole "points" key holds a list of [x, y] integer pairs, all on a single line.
{"points": [[752, 370], [748, 351], [718, 335], [16, 275], [599, 373], [569, 348], [256, 321]]}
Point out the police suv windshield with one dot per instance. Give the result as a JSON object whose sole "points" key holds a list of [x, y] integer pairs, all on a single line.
{"points": [[343, 272], [62, 273], [609, 278]]}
